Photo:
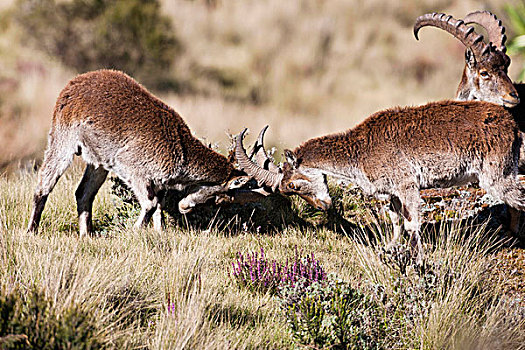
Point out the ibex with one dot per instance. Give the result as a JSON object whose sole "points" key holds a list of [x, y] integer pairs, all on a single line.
{"points": [[116, 125], [486, 65], [485, 74], [395, 153], [485, 79]]}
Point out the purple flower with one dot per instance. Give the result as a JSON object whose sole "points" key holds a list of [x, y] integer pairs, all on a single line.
{"points": [[260, 274]]}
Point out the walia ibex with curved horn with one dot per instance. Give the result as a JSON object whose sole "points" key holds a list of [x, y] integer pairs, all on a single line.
{"points": [[488, 75], [486, 65], [396, 152], [116, 124]]}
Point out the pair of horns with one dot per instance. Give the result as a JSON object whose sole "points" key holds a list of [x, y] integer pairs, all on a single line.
{"points": [[465, 33], [272, 176]]}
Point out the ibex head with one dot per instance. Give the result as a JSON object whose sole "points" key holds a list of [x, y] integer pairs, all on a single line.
{"points": [[486, 65], [309, 183]]}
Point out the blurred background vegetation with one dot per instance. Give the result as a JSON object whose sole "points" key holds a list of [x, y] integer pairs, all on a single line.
{"points": [[306, 67]]}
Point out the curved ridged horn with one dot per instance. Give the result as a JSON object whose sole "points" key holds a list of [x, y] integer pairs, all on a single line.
{"points": [[262, 176], [457, 28], [493, 26], [259, 153]]}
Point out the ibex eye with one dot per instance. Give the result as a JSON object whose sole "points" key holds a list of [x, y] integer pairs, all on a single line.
{"points": [[291, 186], [484, 74]]}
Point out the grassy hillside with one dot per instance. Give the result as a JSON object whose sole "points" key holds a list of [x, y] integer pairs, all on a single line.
{"points": [[128, 288]]}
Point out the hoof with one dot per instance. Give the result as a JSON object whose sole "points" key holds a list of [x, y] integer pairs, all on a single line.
{"points": [[185, 208]]}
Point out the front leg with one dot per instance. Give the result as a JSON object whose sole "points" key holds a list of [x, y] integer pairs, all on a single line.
{"points": [[158, 217], [405, 204], [202, 193], [200, 196], [410, 201]]}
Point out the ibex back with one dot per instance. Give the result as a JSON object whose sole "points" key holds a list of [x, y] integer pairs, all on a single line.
{"points": [[116, 125]]}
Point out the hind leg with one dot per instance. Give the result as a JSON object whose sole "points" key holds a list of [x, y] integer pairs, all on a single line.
{"points": [[56, 161], [158, 218], [85, 194]]}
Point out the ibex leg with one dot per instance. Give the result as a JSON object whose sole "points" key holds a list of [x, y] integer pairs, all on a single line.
{"points": [[409, 197], [395, 212], [149, 202], [56, 160], [158, 218], [512, 192], [85, 194]]}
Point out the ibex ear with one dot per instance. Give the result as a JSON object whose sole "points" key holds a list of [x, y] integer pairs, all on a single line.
{"points": [[470, 59], [291, 158], [237, 182]]}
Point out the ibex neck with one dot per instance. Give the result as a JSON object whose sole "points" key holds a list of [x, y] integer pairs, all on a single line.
{"points": [[207, 165], [337, 154]]}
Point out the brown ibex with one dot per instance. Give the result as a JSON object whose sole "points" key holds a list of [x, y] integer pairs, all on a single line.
{"points": [[492, 83], [485, 74], [486, 65], [396, 152], [116, 125]]}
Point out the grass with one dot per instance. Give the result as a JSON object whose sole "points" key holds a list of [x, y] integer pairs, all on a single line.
{"points": [[174, 289]]}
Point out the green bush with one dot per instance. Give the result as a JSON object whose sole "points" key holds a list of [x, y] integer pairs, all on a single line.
{"points": [[29, 321], [129, 35], [332, 314]]}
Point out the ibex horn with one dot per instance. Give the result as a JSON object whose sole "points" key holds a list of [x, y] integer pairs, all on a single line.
{"points": [[262, 176], [493, 26], [457, 28], [259, 153]]}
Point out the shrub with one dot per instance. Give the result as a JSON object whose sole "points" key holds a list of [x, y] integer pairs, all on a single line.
{"points": [[270, 213], [516, 45], [130, 35], [257, 273], [332, 314], [30, 322]]}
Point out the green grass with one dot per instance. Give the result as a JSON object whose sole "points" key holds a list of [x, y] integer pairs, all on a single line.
{"points": [[125, 280]]}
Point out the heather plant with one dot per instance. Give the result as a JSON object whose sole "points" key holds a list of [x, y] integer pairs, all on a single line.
{"points": [[333, 314], [257, 273]]}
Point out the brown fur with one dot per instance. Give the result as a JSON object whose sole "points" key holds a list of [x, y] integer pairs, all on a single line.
{"points": [[411, 132]]}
